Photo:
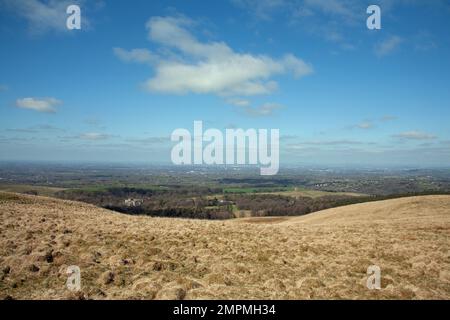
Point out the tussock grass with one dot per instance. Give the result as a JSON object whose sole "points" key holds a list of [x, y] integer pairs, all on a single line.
{"points": [[320, 255]]}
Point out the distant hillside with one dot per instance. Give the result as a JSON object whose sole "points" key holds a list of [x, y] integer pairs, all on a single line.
{"points": [[320, 255]]}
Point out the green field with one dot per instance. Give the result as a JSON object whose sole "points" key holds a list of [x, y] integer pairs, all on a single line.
{"points": [[287, 191]]}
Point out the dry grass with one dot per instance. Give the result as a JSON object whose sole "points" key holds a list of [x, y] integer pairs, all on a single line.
{"points": [[321, 255], [39, 190]]}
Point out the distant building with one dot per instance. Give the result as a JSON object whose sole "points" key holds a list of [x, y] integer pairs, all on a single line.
{"points": [[133, 202], [225, 202], [321, 185]]}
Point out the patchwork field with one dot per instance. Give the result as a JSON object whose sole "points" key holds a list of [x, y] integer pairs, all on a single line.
{"points": [[320, 255], [314, 193]]}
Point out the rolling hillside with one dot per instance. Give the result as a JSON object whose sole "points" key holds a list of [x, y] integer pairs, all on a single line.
{"points": [[321, 255]]}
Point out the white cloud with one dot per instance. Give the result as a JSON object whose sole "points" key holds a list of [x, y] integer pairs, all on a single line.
{"points": [[44, 16], [298, 67], [209, 67], [388, 46], [135, 55], [414, 135], [38, 104]]}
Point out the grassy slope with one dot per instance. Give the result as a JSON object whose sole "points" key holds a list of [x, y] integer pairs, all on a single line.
{"points": [[40, 190], [321, 255]]}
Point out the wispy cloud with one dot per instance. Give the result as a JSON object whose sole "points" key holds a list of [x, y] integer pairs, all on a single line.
{"points": [[414, 135], [3, 87], [266, 9], [87, 136], [372, 123], [344, 9], [424, 41], [149, 140], [47, 127], [94, 136], [328, 143], [21, 130], [136, 55], [39, 104], [388, 46], [263, 110], [365, 125], [36, 129], [261, 9], [387, 118], [288, 137], [326, 19], [239, 102]]}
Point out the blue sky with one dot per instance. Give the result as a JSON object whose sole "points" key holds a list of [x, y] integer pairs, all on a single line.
{"points": [[137, 70]]}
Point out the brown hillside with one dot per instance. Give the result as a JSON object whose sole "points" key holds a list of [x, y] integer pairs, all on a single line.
{"points": [[321, 255]]}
